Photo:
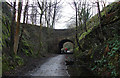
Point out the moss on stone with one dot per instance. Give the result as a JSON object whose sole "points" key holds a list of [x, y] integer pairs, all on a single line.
{"points": [[95, 49]]}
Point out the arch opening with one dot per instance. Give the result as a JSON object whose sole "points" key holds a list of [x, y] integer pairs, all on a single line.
{"points": [[66, 46]]}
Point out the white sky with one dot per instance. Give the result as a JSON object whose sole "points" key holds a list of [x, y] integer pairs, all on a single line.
{"points": [[68, 12]]}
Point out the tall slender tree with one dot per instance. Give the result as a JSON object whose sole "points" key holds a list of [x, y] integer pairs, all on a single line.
{"points": [[76, 10], [22, 29], [47, 17], [100, 23], [85, 14], [16, 39], [42, 9], [12, 29], [99, 13], [33, 14], [54, 14]]}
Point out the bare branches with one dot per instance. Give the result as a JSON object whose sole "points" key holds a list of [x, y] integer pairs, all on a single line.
{"points": [[25, 10], [40, 6], [77, 40]]}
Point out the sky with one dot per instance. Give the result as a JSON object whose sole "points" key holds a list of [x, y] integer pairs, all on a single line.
{"points": [[68, 12]]}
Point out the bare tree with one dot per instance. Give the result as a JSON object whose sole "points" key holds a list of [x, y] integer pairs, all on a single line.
{"points": [[54, 14], [12, 29], [42, 10], [48, 14], [100, 23], [85, 14], [99, 13], [47, 10], [27, 15], [24, 16], [16, 40], [33, 14], [76, 10], [104, 5], [25, 11]]}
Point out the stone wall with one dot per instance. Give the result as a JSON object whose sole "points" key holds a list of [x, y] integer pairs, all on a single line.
{"points": [[50, 41]]}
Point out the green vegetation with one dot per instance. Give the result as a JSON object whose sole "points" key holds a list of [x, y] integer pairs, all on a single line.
{"points": [[0, 43], [84, 34], [11, 62], [5, 31], [102, 57], [26, 48], [8, 62], [109, 63]]}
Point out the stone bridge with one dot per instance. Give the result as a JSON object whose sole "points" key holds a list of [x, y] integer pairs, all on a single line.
{"points": [[60, 36], [52, 43]]}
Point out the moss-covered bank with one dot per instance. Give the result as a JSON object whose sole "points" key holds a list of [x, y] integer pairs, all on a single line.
{"points": [[102, 50], [29, 45]]}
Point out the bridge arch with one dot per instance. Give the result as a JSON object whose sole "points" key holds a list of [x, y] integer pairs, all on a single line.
{"points": [[61, 43]]}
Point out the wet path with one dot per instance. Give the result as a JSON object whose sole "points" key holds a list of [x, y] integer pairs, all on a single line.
{"points": [[55, 66]]}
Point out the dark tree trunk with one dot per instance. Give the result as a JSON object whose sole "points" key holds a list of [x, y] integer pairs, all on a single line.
{"points": [[40, 42], [27, 18], [20, 39], [12, 31], [100, 25], [16, 40], [85, 26], [54, 14], [77, 40], [99, 13]]}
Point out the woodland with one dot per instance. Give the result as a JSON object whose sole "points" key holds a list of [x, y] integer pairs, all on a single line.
{"points": [[26, 33]]}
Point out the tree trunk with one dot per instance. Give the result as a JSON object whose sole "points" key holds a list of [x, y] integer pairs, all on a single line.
{"points": [[85, 26], [101, 32], [12, 30], [40, 42], [49, 19], [27, 18], [20, 40], [77, 40], [42, 9], [16, 40], [54, 14], [99, 13]]}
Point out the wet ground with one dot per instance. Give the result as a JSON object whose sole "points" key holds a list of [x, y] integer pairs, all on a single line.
{"points": [[54, 66]]}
